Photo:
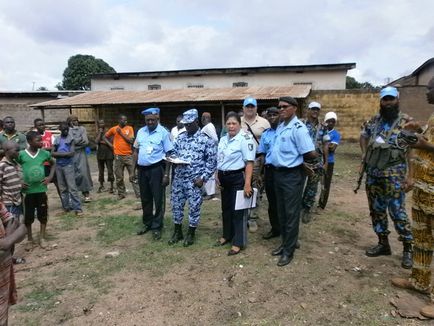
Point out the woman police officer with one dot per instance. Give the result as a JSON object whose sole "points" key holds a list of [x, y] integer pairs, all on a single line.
{"points": [[235, 157]]}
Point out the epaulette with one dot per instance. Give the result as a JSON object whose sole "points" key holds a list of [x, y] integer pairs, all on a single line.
{"points": [[247, 136], [298, 125]]}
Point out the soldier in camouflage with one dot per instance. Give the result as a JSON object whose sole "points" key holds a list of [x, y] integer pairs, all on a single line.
{"points": [[387, 180], [199, 152], [321, 140]]}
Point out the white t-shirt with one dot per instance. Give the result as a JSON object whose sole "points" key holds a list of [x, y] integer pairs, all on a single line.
{"points": [[209, 129], [174, 133]]}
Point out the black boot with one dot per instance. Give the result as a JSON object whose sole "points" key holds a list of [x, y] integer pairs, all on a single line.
{"points": [[381, 249], [189, 238], [177, 234], [407, 256]]}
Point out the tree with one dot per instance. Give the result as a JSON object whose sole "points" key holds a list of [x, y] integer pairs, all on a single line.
{"points": [[42, 88], [352, 83], [79, 70]]}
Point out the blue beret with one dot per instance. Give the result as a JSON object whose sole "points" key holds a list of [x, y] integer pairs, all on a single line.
{"points": [[154, 111]]}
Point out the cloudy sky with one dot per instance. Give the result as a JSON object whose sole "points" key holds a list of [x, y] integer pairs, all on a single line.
{"points": [[386, 39]]}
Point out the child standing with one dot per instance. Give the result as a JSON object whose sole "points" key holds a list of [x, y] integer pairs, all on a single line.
{"points": [[11, 232], [63, 151], [35, 184]]}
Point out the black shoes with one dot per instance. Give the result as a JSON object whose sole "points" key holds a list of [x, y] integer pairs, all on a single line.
{"points": [[177, 235], [277, 251], [407, 256], [189, 239], [306, 215], [381, 249], [285, 259], [144, 230], [270, 235]]}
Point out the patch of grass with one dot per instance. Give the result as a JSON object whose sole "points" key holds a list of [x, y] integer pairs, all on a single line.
{"points": [[40, 298], [116, 228], [68, 221]]}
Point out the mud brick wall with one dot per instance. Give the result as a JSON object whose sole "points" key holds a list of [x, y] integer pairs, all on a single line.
{"points": [[352, 107]]}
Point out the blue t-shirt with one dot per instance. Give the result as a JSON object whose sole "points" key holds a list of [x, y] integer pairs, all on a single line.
{"points": [[335, 138], [63, 145]]}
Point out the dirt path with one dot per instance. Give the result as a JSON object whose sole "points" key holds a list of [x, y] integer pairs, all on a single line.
{"points": [[330, 281]]}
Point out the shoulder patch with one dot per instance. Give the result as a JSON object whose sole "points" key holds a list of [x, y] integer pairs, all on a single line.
{"points": [[247, 136]]}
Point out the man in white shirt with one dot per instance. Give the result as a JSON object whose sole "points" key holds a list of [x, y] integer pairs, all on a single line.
{"points": [[209, 129], [252, 123], [178, 129]]}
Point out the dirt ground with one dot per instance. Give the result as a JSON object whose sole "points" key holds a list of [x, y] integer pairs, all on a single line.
{"points": [[329, 282]]}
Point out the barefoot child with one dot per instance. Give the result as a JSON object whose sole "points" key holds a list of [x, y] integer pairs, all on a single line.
{"points": [[11, 232], [35, 188]]}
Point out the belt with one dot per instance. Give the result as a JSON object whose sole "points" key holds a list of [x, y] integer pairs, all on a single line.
{"points": [[287, 169], [231, 172], [147, 167]]}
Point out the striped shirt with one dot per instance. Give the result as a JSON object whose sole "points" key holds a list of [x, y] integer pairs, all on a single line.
{"points": [[10, 182]]}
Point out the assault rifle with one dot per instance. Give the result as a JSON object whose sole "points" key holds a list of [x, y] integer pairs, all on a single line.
{"points": [[362, 171]]}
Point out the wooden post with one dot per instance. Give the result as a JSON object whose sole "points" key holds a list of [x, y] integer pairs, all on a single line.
{"points": [[223, 114]]}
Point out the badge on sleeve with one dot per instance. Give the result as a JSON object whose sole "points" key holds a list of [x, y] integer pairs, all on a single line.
{"points": [[250, 147]]}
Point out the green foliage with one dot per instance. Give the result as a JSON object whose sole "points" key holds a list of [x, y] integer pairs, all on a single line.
{"points": [[79, 70], [352, 83]]}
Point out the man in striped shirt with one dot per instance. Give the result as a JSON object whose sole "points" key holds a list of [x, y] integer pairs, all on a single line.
{"points": [[10, 179]]}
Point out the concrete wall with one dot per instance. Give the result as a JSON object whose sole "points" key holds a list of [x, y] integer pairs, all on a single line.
{"points": [[413, 101], [426, 75], [320, 80]]}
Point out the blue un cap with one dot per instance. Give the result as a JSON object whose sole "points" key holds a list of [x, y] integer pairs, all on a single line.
{"points": [[250, 101], [389, 91], [189, 116], [154, 111]]}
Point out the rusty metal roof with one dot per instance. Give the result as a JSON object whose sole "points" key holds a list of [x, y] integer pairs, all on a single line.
{"points": [[117, 97]]}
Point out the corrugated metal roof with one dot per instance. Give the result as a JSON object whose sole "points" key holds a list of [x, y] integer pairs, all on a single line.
{"points": [[177, 96]]}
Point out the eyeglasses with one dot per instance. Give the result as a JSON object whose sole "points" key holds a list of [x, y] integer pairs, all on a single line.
{"points": [[283, 107]]}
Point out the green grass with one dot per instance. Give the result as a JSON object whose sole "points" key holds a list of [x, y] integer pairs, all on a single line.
{"points": [[40, 298], [114, 228], [68, 221]]}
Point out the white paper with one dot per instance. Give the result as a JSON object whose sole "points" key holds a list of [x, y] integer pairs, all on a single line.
{"points": [[242, 202], [176, 160]]}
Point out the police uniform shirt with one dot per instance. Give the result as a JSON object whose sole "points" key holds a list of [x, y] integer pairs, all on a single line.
{"points": [[200, 151], [233, 153], [152, 146], [266, 144], [290, 143]]}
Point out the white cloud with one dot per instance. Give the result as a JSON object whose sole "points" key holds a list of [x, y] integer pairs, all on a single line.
{"points": [[384, 38]]}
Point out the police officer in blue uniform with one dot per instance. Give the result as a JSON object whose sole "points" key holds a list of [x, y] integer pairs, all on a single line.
{"points": [[235, 157], [152, 144], [200, 151], [264, 149], [292, 146]]}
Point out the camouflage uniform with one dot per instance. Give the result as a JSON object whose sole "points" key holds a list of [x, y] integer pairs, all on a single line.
{"points": [[201, 151], [386, 170], [319, 136]]}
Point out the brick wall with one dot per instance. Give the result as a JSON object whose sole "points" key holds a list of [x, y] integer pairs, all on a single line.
{"points": [[352, 107]]}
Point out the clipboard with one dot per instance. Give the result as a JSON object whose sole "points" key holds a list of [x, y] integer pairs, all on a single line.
{"points": [[242, 202]]}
